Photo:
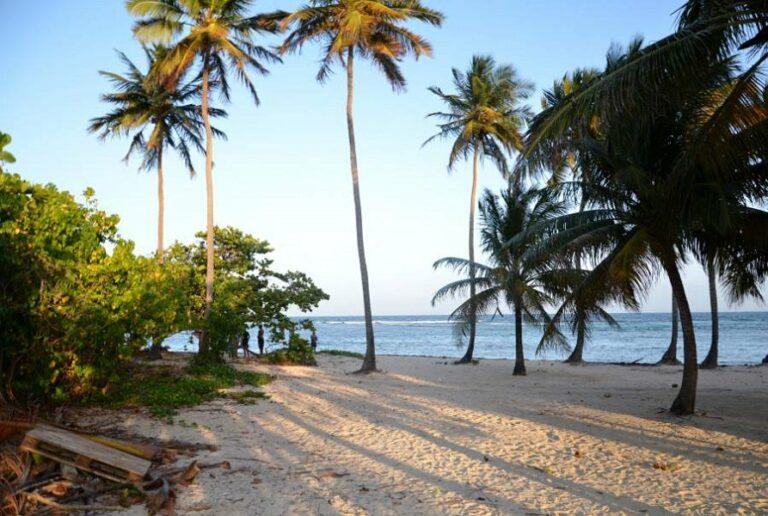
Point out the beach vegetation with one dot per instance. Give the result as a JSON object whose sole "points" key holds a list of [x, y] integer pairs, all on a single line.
{"points": [[78, 304], [162, 390], [217, 38]]}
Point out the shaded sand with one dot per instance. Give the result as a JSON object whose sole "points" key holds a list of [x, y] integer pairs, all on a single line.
{"points": [[430, 438]]}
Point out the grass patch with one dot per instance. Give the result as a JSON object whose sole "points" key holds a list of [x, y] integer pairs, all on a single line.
{"points": [[340, 353], [248, 397], [164, 389]]}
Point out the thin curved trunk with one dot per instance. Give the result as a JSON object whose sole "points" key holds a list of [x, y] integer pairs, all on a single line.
{"points": [[160, 206], [209, 270], [710, 362], [369, 362], [519, 352], [467, 358], [685, 403], [577, 355], [670, 355]]}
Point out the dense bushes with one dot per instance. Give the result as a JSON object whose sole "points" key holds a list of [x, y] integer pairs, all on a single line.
{"points": [[76, 302]]}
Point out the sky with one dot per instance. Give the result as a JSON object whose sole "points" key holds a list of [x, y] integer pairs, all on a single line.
{"points": [[283, 174]]}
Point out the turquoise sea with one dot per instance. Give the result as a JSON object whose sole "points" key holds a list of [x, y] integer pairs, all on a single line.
{"points": [[642, 337]]}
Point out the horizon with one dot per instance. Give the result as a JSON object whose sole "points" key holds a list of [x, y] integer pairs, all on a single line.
{"points": [[283, 175]]}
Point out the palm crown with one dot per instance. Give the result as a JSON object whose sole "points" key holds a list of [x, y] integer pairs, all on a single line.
{"points": [[373, 28], [485, 113], [156, 116], [218, 32]]}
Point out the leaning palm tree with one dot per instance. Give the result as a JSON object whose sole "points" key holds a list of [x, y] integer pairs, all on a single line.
{"points": [[485, 119], [670, 355], [155, 118], [658, 196], [519, 274], [370, 29], [217, 36]]}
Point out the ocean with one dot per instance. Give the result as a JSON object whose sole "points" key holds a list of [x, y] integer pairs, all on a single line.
{"points": [[642, 337]]}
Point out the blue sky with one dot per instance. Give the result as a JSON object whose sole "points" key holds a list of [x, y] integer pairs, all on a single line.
{"points": [[283, 175]]}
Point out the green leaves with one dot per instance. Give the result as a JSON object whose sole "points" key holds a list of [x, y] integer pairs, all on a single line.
{"points": [[5, 156], [372, 29], [485, 114]]}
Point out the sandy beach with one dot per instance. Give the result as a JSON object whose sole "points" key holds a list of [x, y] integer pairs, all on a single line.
{"points": [[425, 437]]}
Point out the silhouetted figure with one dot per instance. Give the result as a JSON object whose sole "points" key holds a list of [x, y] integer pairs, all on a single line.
{"points": [[261, 339], [244, 340], [313, 341], [765, 360]]}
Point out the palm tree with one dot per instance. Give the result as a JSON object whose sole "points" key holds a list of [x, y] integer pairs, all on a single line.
{"points": [[660, 196], [708, 32], [155, 118], [485, 119], [219, 36], [520, 275], [5, 156], [670, 355], [710, 361], [371, 29]]}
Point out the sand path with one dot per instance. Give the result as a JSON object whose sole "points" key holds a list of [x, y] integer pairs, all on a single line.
{"points": [[426, 437]]}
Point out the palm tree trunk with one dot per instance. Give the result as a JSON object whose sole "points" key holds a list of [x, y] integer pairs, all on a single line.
{"points": [[369, 362], [209, 271], [685, 403], [160, 206], [467, 358], [710, 362], [577, 355], [670, 355], [519, 352]]}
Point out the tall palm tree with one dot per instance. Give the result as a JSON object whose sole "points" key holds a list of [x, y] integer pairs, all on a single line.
{"points": [[155, 118], [219, 37], [486, 118], [670, 355], [370, 29], [519, 274]]}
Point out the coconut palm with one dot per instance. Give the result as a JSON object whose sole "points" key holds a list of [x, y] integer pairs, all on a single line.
{"points": [[566, 160], [709, 31], [5, 156], [155, 118], [520, 275], [219, 37], [670, 355], [657, 198], [370, 29], [485, 119]]}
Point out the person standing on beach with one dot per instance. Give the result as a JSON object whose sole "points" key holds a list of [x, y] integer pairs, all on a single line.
{"points": [[313, 341], [260, 338], [244, 340]]}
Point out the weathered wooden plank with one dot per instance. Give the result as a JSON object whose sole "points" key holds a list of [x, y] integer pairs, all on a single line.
{"points": [[85, 454]]}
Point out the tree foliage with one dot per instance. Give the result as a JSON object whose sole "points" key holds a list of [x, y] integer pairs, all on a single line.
{"points": [[77, 302]]}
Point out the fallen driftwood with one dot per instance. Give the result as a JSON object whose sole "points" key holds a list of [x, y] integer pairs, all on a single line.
{"points": [[85, 454], [44, 487]]}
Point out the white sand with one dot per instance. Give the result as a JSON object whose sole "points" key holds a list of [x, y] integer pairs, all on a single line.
{"points": [[430, 438]]}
